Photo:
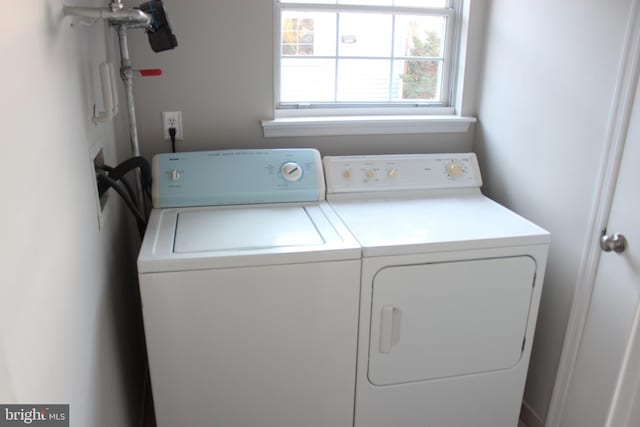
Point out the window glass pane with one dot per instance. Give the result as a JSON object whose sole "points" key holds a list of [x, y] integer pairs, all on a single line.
{"points": [[421, 36], [365, 34], [307, 80], [346, 55], [367, 2], [310, 1], [417, 80], [308, 33], [363, 80], [402, 3], [422, 3]]}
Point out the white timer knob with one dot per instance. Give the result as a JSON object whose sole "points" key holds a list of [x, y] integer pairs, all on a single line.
{"points": [[291, 171], [174, 175], [454, 169]]}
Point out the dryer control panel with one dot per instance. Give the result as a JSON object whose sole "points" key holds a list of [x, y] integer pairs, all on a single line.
{"points": [[230, 177], [351, 174]]}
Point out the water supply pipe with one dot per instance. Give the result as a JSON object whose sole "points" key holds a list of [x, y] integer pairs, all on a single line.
{"points": [[126, 73], [115, 15]]}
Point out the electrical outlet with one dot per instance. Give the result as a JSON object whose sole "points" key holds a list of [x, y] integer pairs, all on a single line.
{"points": [[172, 119]]}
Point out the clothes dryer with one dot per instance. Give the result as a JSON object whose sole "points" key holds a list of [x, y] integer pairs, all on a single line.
{"points": [[450, 290]]}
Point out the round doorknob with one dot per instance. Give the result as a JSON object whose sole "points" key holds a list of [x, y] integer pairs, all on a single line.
{"points": [[616, 242]]}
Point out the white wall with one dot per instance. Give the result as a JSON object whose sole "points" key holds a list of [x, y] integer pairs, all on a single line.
{"points": [[545, 97], [69, 328], [221, 77]]}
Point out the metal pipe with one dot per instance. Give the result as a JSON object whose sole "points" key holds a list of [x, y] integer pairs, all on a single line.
{"points": [[114, 14], [127, 78], [116, 5]]}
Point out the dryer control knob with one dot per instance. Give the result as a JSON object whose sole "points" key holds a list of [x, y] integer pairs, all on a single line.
{"points": [[347, 174], [291, 171], [454, 169]]}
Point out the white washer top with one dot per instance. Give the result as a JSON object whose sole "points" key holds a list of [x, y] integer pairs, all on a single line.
{"points": [[249, 235], [403, 204], [237, 208]]}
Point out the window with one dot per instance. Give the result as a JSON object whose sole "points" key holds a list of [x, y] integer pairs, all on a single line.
{"points": [[354, 58], [365, 52]]}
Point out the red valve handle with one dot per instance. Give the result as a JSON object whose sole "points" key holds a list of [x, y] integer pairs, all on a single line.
{"points": [[150, 72]]}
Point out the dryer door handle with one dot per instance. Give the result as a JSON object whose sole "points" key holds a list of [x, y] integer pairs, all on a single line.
{"points": [[386, 328]]}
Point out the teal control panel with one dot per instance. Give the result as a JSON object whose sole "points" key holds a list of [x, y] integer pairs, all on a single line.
{"points": [[232, 177]]}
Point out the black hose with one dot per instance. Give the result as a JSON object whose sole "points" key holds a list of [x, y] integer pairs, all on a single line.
{"points": [[111, 183]]}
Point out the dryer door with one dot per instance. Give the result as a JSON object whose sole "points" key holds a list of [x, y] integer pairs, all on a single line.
{"points": [[446, 319]]}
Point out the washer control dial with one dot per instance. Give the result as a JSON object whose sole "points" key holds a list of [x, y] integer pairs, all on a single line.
{"points": [[291, 171], [174, 174]]}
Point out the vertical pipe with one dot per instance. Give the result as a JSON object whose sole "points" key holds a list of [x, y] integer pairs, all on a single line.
{"points": [[127, 77]]}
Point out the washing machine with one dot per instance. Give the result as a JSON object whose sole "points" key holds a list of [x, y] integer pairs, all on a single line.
{"points": [[450, 289], [250, 292]]}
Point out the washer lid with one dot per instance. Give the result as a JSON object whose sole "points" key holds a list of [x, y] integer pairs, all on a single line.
{"points": [[456, 220], [183, 239], [244, 229]]}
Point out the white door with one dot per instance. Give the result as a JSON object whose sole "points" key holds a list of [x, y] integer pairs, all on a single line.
{"points": [[604, 389]]}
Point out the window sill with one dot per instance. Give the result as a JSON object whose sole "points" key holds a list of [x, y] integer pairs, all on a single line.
{"points": [[365, 125]]}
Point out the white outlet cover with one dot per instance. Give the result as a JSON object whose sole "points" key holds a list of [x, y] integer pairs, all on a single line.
{"points": [[167, 117]]}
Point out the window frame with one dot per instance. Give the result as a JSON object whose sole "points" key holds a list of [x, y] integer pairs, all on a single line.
{"points": [[308, 119]]}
